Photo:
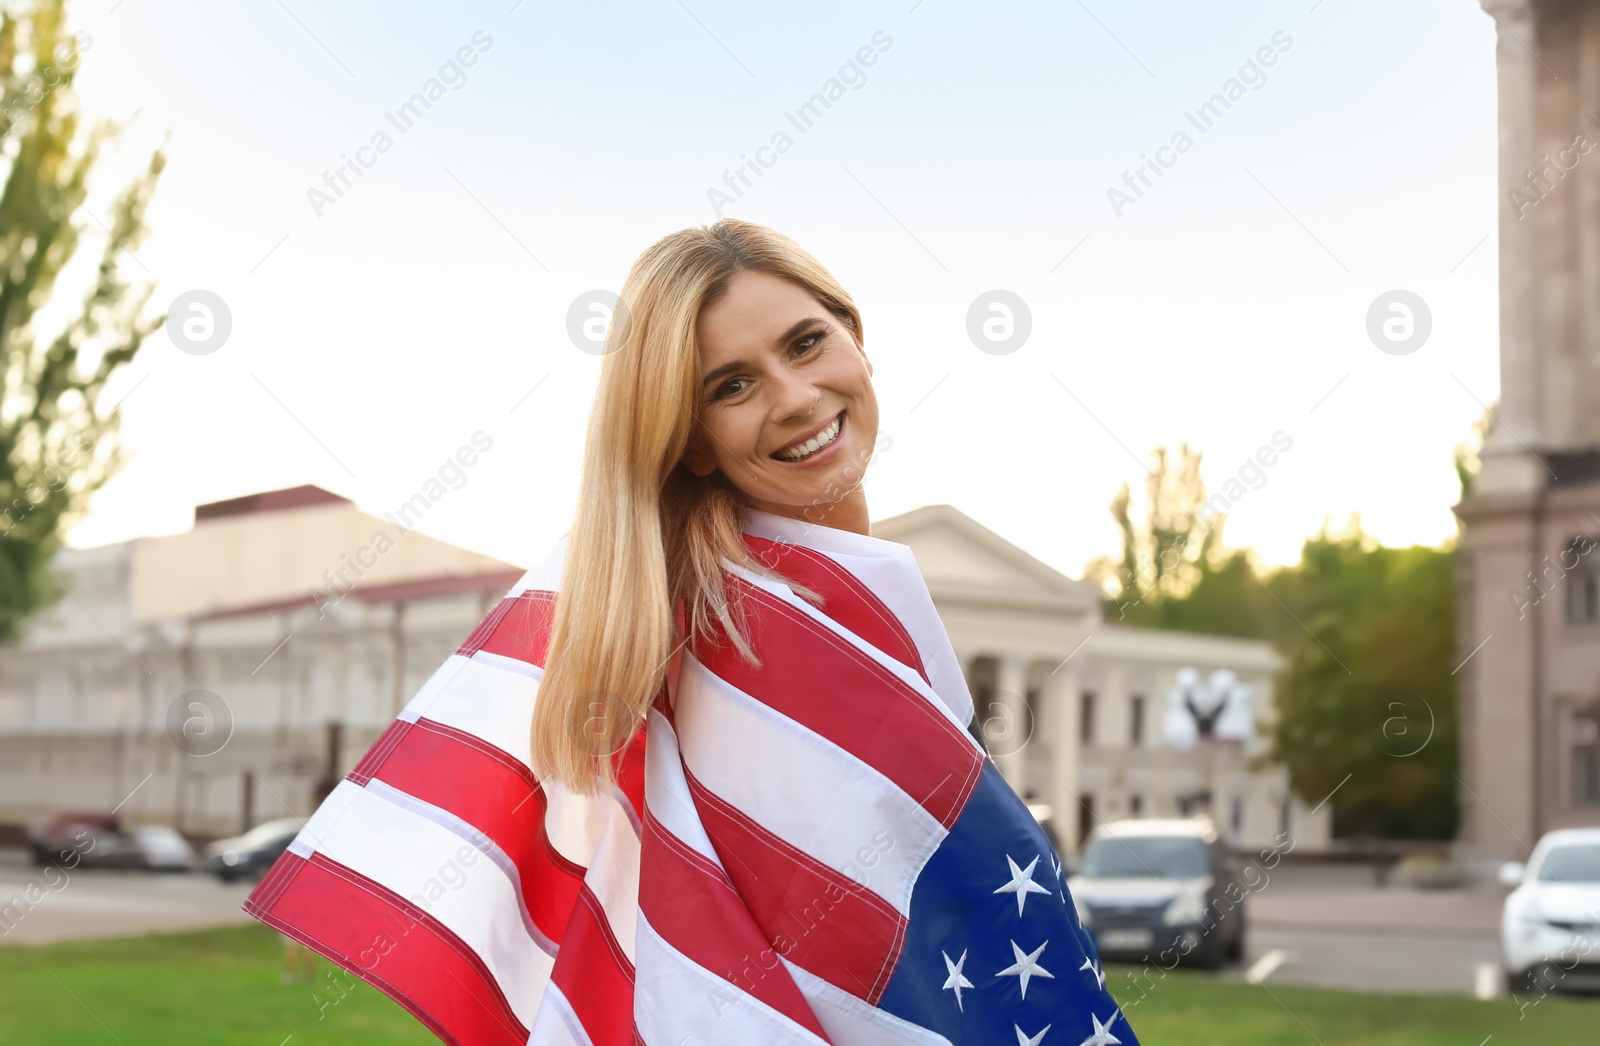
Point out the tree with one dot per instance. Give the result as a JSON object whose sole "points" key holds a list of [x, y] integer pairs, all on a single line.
{"points": [[1165, 548], [1173, 570], [56, 445], [1366, 707]]}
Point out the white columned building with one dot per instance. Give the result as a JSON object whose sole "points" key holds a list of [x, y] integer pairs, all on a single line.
{"points": [[230, 627], [1076, 706]]}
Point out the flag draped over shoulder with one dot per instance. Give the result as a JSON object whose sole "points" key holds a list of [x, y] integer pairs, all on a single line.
{"points": [[815, 850]]}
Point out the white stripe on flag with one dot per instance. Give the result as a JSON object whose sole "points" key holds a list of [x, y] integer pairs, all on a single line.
{"points": [[729, 740], [666, 791], [599, 829], [481, 698], [676, 1001], [850, 1021], [445, 876], [545, 574], [557, 1024]]}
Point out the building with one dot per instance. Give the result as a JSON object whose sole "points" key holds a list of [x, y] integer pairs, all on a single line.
{"points": [[218, 678], [1078, 706], [1530, 682], [207, 680]]}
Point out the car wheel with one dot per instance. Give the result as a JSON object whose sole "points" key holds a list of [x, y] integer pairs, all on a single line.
{"points": [[1208, 955], [1235, 950], [1538, 979]]}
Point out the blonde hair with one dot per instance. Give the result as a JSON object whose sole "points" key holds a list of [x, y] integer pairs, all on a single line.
{"points": [[649, 536]]}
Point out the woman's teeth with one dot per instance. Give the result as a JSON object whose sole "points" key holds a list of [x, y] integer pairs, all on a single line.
{"points": [[811, 446]]}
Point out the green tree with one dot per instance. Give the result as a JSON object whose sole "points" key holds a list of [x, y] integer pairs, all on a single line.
{"points": [[1366, 710], [56, 445], [1165, 547], [1367, 703]]}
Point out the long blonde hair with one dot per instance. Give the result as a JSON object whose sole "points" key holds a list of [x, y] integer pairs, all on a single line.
{"points": [[648, 535]]}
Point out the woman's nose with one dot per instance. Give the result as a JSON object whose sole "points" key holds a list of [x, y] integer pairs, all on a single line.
{"points": [[796, 398]]}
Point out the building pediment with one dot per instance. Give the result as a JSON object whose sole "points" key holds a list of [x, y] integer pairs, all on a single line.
{"points": [[961, 559]]}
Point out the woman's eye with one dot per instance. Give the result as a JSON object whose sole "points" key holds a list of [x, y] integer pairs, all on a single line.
{"points": [[727, 388], [810, 341]]}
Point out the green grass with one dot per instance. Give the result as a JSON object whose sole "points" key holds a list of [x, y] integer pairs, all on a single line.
{"points": [[1197, 1010], [212, 986], [221, 987]]}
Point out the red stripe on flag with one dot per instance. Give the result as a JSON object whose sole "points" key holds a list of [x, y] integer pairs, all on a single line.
{"points": [[818, 918], [519, 627], [845, 599], [496, 794], [691, 904], [379, 752], [595, 976], [380, 937], [819, 680]]}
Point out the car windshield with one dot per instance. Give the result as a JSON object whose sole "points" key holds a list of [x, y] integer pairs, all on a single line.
{"points": [[1573, 864], [1145, 857], [266, 833]]}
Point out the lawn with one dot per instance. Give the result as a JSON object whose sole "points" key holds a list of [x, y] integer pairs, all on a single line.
{"points": [[221, 986]]}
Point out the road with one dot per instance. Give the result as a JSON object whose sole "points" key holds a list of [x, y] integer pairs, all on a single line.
{"points": [[84, 903], [1314, 926]]}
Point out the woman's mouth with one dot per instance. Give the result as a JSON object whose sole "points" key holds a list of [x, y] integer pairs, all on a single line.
{"points": [[816, 444]]}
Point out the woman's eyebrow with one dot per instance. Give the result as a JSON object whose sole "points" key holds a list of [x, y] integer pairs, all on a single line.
{"points": [[793, 329]]}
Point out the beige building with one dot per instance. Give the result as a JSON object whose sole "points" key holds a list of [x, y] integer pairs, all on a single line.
{"points": [[212, 679], [1529, 593], [193, 679]]}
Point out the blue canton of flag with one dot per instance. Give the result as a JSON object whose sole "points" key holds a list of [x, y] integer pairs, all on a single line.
{"points": [[994, 952]]}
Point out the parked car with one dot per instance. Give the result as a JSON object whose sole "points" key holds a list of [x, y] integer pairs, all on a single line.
{"points": [[1159, 889], [251, 854], [150, 847], [105, 841], [1550, 926], [64, 838]]}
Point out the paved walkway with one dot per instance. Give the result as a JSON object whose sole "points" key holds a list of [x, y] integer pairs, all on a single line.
{"points": [[104, 903]]}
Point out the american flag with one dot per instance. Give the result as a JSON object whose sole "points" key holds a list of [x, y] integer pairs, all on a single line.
{"points": [[814, 851]]}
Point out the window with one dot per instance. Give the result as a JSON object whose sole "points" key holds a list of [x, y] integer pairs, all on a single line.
{"points": [[1585, 760], [1583, 581], [1086, 718], [1145, 857], [1136, 720]]}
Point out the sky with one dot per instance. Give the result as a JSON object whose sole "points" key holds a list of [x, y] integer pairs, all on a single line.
{"points": [[986, 149]]}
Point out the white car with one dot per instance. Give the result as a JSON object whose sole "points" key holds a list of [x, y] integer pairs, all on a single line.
{"points": [[1550, 928]]}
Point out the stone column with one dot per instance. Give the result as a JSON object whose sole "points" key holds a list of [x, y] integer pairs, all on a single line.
{"points": [[1009, 742], [1506, 465], [1062, 694]]}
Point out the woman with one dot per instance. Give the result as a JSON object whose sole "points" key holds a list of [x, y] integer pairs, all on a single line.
{"points": [[715, 746]]}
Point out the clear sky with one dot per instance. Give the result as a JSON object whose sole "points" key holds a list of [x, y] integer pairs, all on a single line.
{"points": [[372, 335]]}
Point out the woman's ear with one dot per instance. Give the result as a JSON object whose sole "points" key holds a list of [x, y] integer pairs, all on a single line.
{"points": [[696, 460]]}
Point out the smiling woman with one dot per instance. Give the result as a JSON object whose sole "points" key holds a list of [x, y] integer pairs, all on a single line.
{"points": [[740, 352], [716, 746]]}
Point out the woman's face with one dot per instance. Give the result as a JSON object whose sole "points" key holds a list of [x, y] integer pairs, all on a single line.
{"points": [[778, 373]]}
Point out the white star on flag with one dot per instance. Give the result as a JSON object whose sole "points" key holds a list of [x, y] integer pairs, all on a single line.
{"points": [[1099, 974], [956, 980], [1026, 966], [1023, 1040], [1021, 883], [1057, 864], [1102, 1032]]}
